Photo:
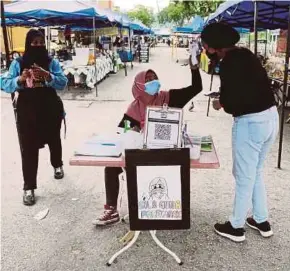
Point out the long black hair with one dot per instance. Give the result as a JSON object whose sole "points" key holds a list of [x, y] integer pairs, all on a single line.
{"points": [[35, 54]]}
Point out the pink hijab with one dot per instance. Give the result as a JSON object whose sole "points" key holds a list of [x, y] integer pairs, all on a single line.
{"points": [[137, 109]]}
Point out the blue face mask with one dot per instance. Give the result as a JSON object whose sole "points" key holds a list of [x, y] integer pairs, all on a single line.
{"points": [[152, 87]]}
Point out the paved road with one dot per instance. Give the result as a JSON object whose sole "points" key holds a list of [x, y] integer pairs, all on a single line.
{"points": [[66, 240]]}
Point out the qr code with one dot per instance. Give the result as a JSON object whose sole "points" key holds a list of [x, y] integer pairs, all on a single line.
{"points": [[162, 131]]}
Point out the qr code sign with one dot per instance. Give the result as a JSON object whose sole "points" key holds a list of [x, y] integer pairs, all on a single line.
{"points": [[162, 131]]}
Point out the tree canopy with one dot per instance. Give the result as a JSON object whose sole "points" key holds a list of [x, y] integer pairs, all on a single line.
{"points": [[143, 14], [180, 11]]}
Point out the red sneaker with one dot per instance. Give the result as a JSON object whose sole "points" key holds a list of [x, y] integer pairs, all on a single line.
{"points": [[110, 216]]}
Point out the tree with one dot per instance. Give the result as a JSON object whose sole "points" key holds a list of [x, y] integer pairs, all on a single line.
{"points": [[143, 14], [201, 8], [179, 11], [174, 12]]}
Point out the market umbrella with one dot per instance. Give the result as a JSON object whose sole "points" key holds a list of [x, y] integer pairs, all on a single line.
{"points": [[259, 14], [46, 10]]}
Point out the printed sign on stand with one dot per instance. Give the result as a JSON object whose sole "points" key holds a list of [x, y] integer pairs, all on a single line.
{"points": [[144, 53], [159, 192], [158, 183], [163, 127]]}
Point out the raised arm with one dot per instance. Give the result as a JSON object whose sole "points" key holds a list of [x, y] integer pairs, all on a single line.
{"points": [[180, 97]]}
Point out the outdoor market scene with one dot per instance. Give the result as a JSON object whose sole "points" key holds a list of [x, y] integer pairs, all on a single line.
{"points": [[145, 135]]}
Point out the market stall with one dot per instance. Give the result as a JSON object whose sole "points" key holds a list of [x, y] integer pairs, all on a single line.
{"points": [[83, 70]]}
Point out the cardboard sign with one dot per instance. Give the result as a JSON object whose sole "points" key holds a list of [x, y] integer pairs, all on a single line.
{"points": [[158, 189]]}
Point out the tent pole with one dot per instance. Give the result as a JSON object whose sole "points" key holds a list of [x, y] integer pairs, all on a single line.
{"points": [[285, 86], [5, 35], [210, 89], [266, 41], [130, 42], [123, 49], [95, 54], [10, 38], [255, 28]]}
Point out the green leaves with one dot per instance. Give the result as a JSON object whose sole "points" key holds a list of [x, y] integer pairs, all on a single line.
{"points": [[179, 11], [143, 14]]}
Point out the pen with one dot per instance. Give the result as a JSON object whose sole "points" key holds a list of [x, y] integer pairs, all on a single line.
{"points": [[108, 144], [189, 139]]}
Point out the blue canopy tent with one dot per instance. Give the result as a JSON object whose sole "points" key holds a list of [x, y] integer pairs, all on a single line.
{"points": [[197, 24], [242, 30], [48, 11], [18, 22], [240, 13], [194, 27], [182, 29], [254, 15]]}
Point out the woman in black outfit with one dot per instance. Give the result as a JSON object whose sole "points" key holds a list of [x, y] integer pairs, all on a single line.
{"points": [[36, 76], [146, 92], [246, 94]]}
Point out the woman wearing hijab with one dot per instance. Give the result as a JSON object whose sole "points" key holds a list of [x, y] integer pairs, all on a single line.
{"points": [[35, 77], [146, 93], [245, 93]]}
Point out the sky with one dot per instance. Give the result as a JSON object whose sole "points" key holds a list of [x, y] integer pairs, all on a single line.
{"points": [[129, 4]]}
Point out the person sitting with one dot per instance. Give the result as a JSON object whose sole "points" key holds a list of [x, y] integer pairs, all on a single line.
{"points": [[36, 76], [146, 92]]}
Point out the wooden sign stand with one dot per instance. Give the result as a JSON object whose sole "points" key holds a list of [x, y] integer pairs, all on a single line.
{"points": [[167, 154], [154, 160], [135, 238]]}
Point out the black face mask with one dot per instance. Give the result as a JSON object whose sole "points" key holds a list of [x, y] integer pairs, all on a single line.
{"points": [[37, 54], [212, 57]]}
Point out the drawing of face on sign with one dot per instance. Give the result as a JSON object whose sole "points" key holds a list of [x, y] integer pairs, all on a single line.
{"points": [[158, 189]]}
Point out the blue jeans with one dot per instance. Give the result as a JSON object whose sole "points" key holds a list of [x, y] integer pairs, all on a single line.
{"points": [[252, 137]]}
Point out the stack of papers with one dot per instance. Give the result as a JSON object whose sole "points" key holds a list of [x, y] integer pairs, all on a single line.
{"points": [[101, 146]]}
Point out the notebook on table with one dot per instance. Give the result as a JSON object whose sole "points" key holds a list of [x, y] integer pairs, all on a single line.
{"points": [[100, 146]]}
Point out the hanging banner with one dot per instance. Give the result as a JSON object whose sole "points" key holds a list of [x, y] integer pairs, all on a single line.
{"points": [[125, 32], [107, 31], [282, 42]]}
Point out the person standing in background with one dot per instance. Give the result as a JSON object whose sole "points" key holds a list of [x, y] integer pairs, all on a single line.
{"points": [[245, 93], [67, 35], [35, 77], [194, 60]]}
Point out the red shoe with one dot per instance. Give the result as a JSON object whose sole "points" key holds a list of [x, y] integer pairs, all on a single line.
{"points": [[110, 216]]}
